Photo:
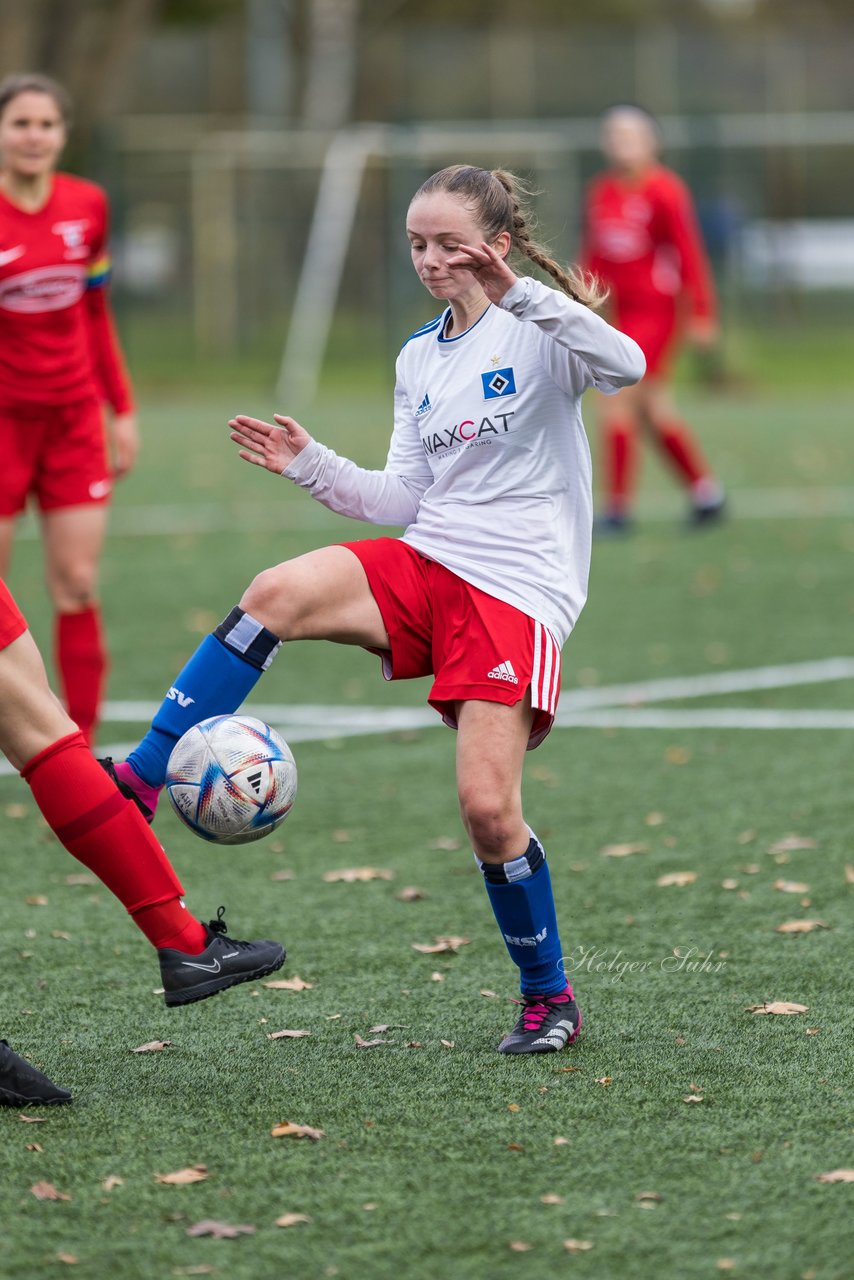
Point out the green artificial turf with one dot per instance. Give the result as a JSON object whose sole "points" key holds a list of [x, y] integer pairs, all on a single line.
{"points": [[425, 1171]]}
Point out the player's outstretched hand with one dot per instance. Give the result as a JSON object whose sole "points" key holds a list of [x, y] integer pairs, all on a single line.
{"points": [[488, 267], [266, 445]]}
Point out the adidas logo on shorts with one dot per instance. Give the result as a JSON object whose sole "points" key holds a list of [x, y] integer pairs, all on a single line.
{"points": [[504, 671]]}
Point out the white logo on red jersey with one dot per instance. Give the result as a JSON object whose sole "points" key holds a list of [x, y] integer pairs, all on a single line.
{"points": [[44, 289], [9, 255]]}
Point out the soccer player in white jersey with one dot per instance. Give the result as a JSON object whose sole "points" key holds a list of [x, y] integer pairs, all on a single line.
{"points": [[489, 472]]}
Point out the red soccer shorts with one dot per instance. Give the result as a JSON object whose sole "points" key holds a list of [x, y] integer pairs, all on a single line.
{"points": [[12, 621], [654, 327], [57, 453], [477, 647]]}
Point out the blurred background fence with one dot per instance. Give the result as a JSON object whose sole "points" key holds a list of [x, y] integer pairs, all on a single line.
{"points": [[243, 139]]}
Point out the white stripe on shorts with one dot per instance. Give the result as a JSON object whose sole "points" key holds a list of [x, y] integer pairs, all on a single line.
{"points": [[545, 674]]}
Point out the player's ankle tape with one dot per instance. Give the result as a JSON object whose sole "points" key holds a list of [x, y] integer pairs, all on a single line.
{"points": [[245, 636]]}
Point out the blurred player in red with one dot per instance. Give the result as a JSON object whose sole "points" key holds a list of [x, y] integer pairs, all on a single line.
{"points": [[60, 362], [105, 831], [641, 239]]}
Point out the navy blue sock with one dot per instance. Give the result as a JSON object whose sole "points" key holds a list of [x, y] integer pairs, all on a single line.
{"points": [[521, 896], [221, 673]]}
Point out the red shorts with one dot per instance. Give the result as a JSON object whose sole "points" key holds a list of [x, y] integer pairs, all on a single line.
{"points": [[58, 453], [12, 621], [654, 327], [477, 647]]}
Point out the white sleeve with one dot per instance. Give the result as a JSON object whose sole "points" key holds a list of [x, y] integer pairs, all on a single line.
{"points": [[391, 496], [599, 355]]}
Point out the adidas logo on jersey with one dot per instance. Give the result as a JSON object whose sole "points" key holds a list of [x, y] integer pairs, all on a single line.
{"points": [[504, 671], [424, 407]]}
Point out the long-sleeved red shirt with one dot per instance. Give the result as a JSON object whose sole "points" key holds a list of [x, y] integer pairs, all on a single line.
{"points": [[57, 339], [642, 239]]}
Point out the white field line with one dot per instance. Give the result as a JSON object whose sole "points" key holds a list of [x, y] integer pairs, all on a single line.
{"points": [[170, 520], [612, 706]]}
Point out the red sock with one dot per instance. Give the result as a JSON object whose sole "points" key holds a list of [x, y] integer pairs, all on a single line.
{"points": [[107, 833], [682, 450], [620, 464], [81, 658]]}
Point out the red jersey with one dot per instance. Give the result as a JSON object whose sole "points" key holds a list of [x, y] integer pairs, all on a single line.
{"points": [[57, 340], [642, 240]]}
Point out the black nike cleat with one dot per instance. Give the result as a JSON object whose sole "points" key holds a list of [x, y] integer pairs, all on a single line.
{"points": [[703, 514], [129, 793], [612, 525], [545, 1025], [23, 1085], [223, 963]]}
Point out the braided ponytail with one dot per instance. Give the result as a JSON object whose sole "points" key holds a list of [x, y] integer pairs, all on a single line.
{"points": [[580, 285], [498, 199]]}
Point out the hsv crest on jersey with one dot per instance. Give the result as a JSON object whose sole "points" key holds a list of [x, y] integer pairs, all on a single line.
{"points": [[498, 382]]}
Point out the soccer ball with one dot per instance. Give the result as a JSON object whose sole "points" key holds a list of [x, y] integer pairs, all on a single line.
{"points": [[231, 779]]}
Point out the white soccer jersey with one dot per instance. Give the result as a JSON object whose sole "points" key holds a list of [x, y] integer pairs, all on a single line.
{"points": [[489, 466]]}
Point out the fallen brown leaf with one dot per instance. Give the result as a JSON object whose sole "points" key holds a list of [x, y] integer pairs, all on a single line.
{"points": [[15, 810], [849, 873], [70, 1259], [563, 1070], [291, 1219], [813, 1031], [606, 1080], [355, 875], [515, 1146], [32, 1119], [801, 926], [746, 837], [183, 1177], [385, 1026], [448, 1044], [111, 1182], [286, 1035], [520, 1246], [729, 884], [513, 1106], [836, 1175], [561, 1142], [577, 1246], [623, 850], [287, 1130], [650, 1196], [791, 843], [200, 1269], [36, 900], [655, 819], [450, 843], [410, 894], [80, 877], [791, 886], [341, 836], [221, 1230], [33, 1146], [677, 755], [777, 1006], [445, 942], [725, 1264], [435, 976], [47, 1191], [677, 877], [694, 1097], [552, 1199], [486, 992], [367, 1044], [285, 874], [289, 984], [153, 1046]]}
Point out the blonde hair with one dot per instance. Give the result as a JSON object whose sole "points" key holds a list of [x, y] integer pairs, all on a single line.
{"points": [[498, 199]]}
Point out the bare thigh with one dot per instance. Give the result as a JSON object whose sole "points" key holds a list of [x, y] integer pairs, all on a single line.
{"points": [[73, 542], [627, 403], [323, 595], [31, 716], [491, 742], [7, 534]]}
